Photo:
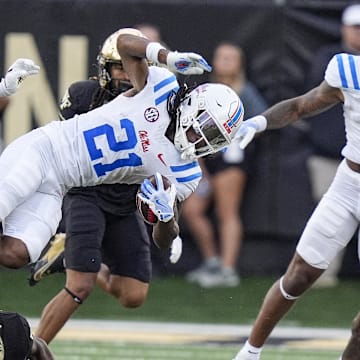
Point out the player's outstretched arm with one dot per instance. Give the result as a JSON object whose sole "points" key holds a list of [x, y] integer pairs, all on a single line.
{"points": [[313, 102], [16, 73]]}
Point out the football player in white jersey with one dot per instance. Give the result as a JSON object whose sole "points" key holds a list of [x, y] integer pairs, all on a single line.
{"points": [[16, 340], [154, 127], [336, 217], [16, 73], [101, 238]]}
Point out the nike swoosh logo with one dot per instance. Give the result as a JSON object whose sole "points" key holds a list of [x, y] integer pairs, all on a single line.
{"points": [[159, 202], [161, 158], [252, 352]]}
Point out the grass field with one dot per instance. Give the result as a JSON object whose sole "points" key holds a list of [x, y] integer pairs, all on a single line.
{"points": [[112, 351], [173, 299]]}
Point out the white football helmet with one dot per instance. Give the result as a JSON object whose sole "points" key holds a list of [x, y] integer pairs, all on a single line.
{"points": [[207, 120]]}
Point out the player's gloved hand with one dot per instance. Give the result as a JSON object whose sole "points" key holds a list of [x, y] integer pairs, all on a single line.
{"points": [[248, 129], [187, 63], [160, 201], [175, 250], [17, 72]]}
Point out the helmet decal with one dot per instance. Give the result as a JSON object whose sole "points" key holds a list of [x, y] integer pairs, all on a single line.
{"points": [[235, 117]]}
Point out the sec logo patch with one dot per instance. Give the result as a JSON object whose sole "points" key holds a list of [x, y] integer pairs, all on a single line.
{"points": [[151, 114]]}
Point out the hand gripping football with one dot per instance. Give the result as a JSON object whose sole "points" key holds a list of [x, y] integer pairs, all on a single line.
{"points": [[146, 213]]}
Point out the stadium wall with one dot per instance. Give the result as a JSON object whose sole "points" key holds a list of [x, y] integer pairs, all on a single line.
{"points": [[279, 38]]}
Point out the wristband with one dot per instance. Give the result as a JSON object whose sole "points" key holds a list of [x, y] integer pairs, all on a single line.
{"points": [[261, 122], [152, 51]]}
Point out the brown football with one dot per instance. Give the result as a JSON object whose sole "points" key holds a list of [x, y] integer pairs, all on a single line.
{"points": [[144, 209]]}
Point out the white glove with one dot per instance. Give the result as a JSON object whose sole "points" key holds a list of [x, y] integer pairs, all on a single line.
{"points": [[160, 201], [187, 63], [248, 129], [17, 72], [176, 250], [233, 154]]}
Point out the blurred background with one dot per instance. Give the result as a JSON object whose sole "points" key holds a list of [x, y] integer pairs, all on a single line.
{"points": [[279, 40]]}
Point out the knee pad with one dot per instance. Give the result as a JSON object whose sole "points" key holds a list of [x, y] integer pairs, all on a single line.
{"points": [[83, 259]]}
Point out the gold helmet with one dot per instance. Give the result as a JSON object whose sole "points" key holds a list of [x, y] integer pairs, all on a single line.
{"points": [[109, 54]]}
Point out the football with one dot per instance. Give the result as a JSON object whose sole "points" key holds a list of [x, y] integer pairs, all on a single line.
{"points": [[146, 213]]}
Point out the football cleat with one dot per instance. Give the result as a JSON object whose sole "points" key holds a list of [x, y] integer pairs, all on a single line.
{"points": [[51, 262]]}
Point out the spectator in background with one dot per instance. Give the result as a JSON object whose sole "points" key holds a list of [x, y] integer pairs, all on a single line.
{"points": [[327, 129], [223, 184]]}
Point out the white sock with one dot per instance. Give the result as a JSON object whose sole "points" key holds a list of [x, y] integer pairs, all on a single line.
{"points": [[249, 352], [213, 261]]}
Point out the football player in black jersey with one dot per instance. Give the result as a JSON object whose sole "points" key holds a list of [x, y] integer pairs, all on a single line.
{"points": [[17, 342], [103, 243]]}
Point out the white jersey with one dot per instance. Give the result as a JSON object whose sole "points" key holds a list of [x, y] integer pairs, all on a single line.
{"points": [[343, 72], [337, 216], [123, 141]]}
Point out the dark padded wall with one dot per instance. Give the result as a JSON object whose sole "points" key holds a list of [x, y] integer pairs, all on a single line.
{"points": [[279, 38]]}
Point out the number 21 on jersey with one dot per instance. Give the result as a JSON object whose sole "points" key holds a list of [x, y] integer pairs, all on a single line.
{"points": [[96, 153]]}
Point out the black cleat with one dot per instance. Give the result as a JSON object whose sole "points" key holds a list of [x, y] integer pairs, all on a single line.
{"points": [[51, 262]]}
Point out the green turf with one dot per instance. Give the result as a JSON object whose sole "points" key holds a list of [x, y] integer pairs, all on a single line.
{"points": [[173, 299], [112, 351]]}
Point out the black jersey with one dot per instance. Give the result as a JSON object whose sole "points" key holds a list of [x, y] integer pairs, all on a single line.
{"points": [[82, 96]]}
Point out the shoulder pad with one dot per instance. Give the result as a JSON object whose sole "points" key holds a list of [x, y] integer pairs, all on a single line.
{"points": [[77, 98]]}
